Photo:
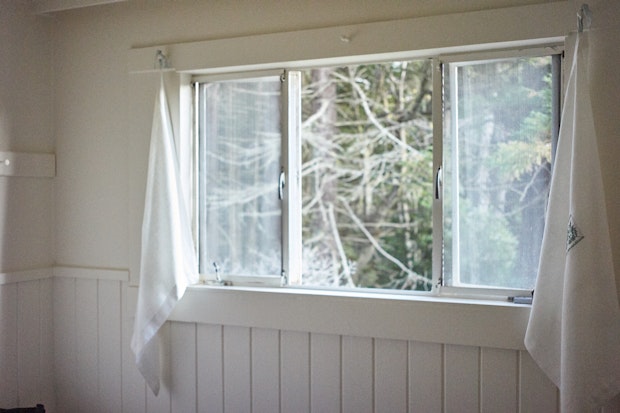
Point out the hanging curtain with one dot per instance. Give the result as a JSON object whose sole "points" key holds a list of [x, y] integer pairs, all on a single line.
{"points": [[574, 328], [168, 260]]}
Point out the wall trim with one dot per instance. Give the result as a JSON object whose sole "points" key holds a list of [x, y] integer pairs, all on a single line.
{"points": [[397, 39], [91, 273], [26, 275]]}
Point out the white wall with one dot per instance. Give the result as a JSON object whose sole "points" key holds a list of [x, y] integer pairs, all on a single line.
{"points": [[26, 209], [100, 122]]}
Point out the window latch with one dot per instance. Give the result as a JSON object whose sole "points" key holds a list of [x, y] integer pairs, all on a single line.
{"points": [[438, 182], [281, 184]]}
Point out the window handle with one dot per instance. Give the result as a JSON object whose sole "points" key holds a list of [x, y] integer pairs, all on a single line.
{"points": [[438, 183], [281, 184]]}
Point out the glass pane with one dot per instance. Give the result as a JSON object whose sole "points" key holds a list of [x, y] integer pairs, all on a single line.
{"points": [[497, 156], [367, 176], [239, 151]]}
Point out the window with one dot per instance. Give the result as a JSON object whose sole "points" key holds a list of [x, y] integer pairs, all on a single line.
{"points": [[332, 176]]}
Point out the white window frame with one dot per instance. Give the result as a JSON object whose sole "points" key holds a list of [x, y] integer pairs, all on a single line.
{"points": [[291, 161]]}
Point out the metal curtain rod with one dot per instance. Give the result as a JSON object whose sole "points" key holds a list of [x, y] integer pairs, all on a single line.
{"points": [[584, 18]]}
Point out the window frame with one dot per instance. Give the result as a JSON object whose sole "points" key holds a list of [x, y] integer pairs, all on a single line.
{"points": [[291, 161]]}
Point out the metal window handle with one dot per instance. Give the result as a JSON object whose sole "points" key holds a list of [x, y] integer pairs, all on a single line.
{"points": [[281, 184], [438, 182]]}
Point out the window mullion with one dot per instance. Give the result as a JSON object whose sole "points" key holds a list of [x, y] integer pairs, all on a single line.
{"points": [[291, 166]]}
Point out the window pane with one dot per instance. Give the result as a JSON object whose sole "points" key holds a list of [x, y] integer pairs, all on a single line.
{"points": [[239, 150], [497, 154], [367, 176]]}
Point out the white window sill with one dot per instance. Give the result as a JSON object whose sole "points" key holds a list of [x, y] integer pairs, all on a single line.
{"points": [[392, 316]]}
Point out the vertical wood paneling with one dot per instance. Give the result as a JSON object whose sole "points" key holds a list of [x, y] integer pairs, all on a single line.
{"points": [[48, 396], [265, 370], [237, 373], [295, 372], [65, 367], [210, 368], [109, 344], [183, 367], [357, 374], [28, 342], [425, 377], [8, 345], [86, 349], [325, 373], [462, 387], [498, 384], [133, 391], [390, 376], [537, 393], [161, 402]]}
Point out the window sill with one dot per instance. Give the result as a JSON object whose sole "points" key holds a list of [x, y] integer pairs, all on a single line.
{"points": [[392, 316]]}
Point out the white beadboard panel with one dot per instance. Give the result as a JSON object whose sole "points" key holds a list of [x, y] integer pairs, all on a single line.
{"points": [[183, 367], [210, 368], [265, 370], [357, 374], [86, 349], [133, 385], [425, 377], [28, 342], [325, 372], [109, 345], [498, 382], [537, 394], [237, 369], [295, 372], [461, 379], [48, 396], [65, 367], [161, 403], [8, 345], [25, 275], [390, 376]]}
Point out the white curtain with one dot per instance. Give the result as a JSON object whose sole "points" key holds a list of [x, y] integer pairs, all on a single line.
{"points": [[168, 259], [574, 328]]}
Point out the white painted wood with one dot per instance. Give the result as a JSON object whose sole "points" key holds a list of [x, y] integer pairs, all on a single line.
{"points": [[26, 275], [325, 372], [110, 274], [65, 367], [453, 321], [87, 348], [183, 367], [462, 379], [109, 344], [537, 394], [34, 165], [425, 377], [294, 372], [8, 345], [28, 342], [357, 374], [161, 402], [237, 369], [265, 370], [210, 368], [133, 392], [48, 396], [434, 34], [390, 376], [498, 382]]}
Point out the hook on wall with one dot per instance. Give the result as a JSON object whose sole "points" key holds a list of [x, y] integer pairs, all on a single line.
{"points": [[584, 18], [161, 60]]}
